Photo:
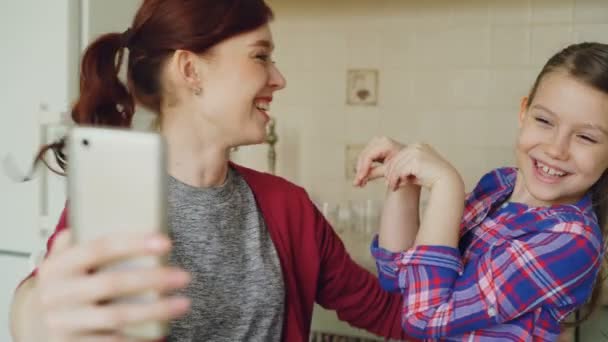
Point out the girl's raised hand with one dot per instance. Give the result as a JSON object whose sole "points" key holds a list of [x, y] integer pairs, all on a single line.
{"points": [[378, 150], [418, 164]]}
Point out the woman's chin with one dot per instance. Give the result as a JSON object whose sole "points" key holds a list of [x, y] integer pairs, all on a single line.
{"points": [[253, 139]]}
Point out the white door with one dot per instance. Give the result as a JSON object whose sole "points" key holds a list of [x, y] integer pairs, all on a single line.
{"points": [[38, 79], [14, 268], [38, 65]]}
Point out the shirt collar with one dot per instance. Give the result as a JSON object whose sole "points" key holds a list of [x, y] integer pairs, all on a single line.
{"points": [[495, 187]]}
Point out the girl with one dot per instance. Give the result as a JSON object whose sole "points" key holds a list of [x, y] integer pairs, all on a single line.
{"points": [[252, 247], [522, 251]]}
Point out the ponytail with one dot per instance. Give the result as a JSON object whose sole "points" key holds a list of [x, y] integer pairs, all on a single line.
{"points": [[104, 100]]}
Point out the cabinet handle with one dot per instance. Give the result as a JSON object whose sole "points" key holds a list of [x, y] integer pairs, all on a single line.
{"points": [[4, 252]]}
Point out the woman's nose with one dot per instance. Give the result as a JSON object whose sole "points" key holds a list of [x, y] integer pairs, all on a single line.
{"points": [[276, 81]]}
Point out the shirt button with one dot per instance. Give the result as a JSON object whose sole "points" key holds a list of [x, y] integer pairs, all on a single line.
{"points": [[491, 311]]}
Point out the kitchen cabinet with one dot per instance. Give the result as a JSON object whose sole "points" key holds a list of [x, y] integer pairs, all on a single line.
{"points": [[40, 44], [14, 267]]}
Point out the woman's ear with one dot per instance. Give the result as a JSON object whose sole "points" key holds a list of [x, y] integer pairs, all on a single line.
{"points": [[187, 66], [523, 109]]}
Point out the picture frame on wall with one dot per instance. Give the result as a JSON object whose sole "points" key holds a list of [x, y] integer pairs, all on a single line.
{"points": [[362, 87]]}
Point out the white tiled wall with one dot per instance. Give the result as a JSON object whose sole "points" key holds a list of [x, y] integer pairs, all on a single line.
{"points": [[452, 73]]}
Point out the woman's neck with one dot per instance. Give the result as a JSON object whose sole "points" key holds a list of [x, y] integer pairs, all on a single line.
{"points": [[191, 158]]}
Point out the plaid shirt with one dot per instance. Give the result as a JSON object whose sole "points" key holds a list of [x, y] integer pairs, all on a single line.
{"points": [[517, 273]]}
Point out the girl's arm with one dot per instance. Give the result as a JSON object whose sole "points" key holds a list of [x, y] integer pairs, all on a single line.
{"points": [[441, 221], [400, 219], [406, 169], [442, 298]]}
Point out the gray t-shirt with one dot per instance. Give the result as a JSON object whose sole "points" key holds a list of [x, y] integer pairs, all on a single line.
{"points": [[237, 288]]}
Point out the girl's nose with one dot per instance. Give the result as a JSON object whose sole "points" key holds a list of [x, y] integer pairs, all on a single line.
{"points": [[559, 148]]}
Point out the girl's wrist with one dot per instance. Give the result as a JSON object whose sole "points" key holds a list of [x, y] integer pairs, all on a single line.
{"points": [[452, 182], [407, 196]]}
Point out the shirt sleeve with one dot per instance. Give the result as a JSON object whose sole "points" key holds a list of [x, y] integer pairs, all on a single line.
{"points": [[443, 298]]}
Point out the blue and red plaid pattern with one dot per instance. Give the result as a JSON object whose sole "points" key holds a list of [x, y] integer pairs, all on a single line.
{"points": [[517, 273]]}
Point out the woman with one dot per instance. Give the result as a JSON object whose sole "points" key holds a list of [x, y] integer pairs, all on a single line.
{"points": [[253, 248]]}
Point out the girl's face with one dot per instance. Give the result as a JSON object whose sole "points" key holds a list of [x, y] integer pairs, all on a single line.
{"points": [[238, 79], [562, 148]]}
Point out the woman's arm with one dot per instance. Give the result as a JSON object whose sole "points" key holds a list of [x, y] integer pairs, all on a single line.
{"points": [[352, 291], [23, 315]]}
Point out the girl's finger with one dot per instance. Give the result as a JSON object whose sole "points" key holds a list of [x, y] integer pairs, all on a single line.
{"points": [[371, 154], [375, 173]]}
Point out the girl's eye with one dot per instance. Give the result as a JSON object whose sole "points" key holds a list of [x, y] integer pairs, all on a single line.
{"points": [[588, 139]]}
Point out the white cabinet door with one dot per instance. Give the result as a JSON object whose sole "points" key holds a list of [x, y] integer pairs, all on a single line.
{"points": [[38, 67], [14, 268]]}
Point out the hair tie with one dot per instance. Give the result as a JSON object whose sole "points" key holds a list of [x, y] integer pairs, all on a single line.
{"points": [[125, 37]]}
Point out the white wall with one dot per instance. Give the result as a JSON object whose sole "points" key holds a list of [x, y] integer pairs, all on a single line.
{"points": [[451, 73]]}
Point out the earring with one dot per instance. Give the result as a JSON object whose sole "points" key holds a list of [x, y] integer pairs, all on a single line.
{"points": [[197, 91]]}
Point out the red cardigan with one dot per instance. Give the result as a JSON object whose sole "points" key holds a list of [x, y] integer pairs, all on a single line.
{"points": [[315, 264]]}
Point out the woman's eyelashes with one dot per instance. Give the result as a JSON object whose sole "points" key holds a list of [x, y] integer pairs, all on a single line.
{"points": [[264, 57]]}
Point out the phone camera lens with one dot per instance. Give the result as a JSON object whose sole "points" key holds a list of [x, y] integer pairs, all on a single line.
{"points": [[85, 142]]}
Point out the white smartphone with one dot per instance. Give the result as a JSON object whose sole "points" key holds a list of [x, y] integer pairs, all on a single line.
{"points": [[117, 183]]}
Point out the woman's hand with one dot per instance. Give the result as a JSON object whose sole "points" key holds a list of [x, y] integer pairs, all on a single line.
{"points": [[73, 303]]}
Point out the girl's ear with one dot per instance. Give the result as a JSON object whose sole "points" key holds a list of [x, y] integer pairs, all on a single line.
{"points": [[523, 108]]}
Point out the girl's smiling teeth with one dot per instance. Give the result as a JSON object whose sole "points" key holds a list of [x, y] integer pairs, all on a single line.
{"points": [[548, 170]]}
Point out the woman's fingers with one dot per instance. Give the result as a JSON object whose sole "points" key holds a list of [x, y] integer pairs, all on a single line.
{"points": [[101, 337], [71, 291], [93, 254], [115, 316], [104, 286]]}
